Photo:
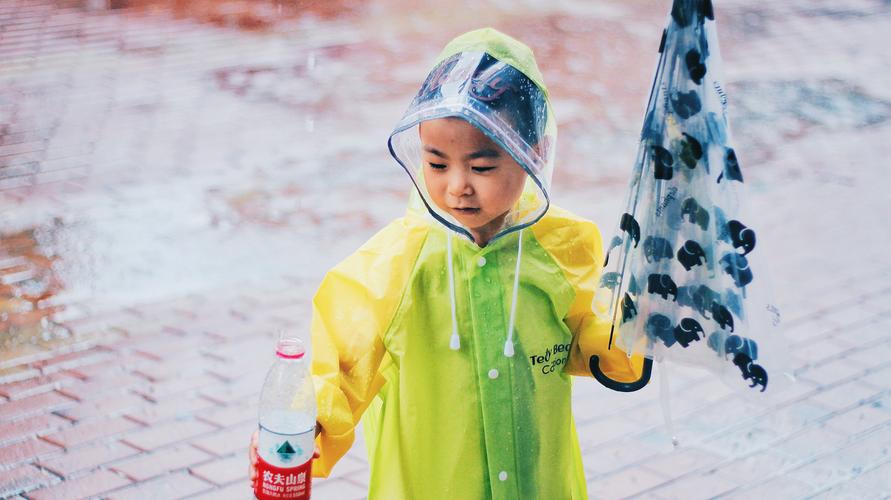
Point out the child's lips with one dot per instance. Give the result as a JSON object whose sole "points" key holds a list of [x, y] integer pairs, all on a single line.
{"points": [[466, 210]]}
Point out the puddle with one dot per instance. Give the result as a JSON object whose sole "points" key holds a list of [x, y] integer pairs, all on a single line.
{"points": [[29, 282]]}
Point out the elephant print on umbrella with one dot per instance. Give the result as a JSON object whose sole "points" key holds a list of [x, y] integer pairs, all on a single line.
{"points": [[630, 226], [731, 167], [660, 327], [629, 310], [656, 249], [662, 163], [662, 285], [750, 370], [695, 66], [725, 344], [610, 280], [691, 255], [722, 316], [737, 267], [688, 330], [614, 243], [692, 211], [738, 235], [686, 104], [690, 150]]}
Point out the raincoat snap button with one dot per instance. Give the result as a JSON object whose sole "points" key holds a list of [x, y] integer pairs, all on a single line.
{"points": [[481, 261], [493, 373], [502, 476]]}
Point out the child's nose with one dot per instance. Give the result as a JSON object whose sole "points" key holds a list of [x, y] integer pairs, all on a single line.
{"points": [[459, 184]]}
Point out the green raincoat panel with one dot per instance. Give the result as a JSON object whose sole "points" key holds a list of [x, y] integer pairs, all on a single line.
{"points": [[467, 423]]}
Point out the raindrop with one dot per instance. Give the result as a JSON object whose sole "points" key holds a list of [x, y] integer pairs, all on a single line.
{"points": [[311, 61]]}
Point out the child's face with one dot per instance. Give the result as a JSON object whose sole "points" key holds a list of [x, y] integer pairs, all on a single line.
{"points": [[469, 176]]}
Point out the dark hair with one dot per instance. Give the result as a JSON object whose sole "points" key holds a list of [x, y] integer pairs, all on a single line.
{"points": [[512, 96], [496, 88]]}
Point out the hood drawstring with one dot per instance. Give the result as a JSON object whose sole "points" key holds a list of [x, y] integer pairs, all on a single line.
{"points": [[455, 341], [509, 343]]}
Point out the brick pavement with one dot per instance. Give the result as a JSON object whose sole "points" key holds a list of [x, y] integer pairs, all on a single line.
{"points": [[131, 361]]}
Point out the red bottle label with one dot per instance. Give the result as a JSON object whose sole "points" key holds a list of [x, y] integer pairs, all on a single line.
{"points": [[278, 482]]}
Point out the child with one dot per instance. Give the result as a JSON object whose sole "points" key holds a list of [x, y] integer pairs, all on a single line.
{"points": [[452, 332]]}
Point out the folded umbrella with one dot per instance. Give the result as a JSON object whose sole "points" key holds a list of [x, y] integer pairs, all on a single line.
{"points": [[682, 279]]}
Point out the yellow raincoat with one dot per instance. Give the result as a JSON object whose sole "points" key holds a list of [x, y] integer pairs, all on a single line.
{"points": [[470, 423]]}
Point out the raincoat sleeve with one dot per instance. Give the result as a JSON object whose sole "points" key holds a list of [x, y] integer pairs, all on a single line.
{"points": [[580, 254], [352, 310]]}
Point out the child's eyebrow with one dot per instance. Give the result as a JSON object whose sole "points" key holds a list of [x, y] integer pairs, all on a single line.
{"points": [[483, 153], [431, 149]]}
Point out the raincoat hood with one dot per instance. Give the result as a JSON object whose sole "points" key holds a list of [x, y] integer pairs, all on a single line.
{"points": [[492, 81]]}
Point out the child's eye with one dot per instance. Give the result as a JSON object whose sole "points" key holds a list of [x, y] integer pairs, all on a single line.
{"points": [[482, 170], [437, 166]]}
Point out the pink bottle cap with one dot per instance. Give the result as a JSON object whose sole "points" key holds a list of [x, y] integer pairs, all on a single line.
{"points": [[290, 348]]}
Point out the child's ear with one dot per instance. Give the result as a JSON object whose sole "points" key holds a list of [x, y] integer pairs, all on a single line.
{"points": [[542, 147]]}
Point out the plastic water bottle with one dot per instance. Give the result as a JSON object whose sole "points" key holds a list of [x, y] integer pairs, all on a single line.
{"points": [[287, 426]]}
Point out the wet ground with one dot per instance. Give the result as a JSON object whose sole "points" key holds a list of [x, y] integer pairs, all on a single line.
{"points": [[175, 177]]}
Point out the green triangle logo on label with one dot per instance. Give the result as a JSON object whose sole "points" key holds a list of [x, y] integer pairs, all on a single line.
{"points": [[285, 451]]}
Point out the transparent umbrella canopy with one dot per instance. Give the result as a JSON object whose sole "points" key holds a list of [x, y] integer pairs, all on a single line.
{"points": [[681, 281]]}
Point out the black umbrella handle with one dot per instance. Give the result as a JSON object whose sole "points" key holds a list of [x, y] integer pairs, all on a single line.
{"points": [[594, 366]]}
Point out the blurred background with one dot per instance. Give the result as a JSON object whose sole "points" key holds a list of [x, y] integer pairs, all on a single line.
{"points": [[176, 177]]}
